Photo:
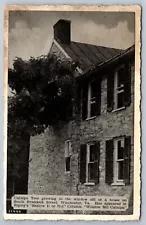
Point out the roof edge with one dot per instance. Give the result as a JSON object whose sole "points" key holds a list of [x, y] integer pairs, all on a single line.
{"points": [[127, 51], [66, 55]]}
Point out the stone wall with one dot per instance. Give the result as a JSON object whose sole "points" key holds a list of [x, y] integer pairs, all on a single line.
{"points": [[47, 162]]}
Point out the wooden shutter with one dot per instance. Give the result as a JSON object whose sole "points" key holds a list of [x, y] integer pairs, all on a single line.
{"points": [[84, 101], [97, 161], [98, 96], [109, 162], [83, 152], [127, 85], [127, 152], [110, 92]]}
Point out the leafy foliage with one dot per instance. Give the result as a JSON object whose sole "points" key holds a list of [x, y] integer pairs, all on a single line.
{"points": [[44, 90]]}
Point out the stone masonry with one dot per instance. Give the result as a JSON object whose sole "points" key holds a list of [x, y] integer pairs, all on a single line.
{"points": [[47, 162]]}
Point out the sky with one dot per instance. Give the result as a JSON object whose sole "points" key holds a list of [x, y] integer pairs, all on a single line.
{"points": [[31, 33]]}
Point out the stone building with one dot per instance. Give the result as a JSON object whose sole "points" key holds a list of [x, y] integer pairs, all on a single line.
{"points": [[92, 154]]}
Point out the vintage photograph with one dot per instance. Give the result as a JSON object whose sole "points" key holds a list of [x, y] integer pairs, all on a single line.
{"points": [[71, 112]]}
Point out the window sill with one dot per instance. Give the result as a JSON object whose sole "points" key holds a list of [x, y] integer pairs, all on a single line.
{"points": [[89, 184], [118, 184], [67, 172], [91, 118], [119, 109]]}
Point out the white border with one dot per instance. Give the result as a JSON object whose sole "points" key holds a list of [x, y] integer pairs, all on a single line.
{"points": [[137, 134]]}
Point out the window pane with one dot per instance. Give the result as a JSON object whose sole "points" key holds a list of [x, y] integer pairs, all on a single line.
{"points": [[69, 148], [120, 97], [121, 72], [93, 109], [120, 170], [91, 172], [66, 149], [92, 153], [120, 150], [93, 89], [67, 164]]}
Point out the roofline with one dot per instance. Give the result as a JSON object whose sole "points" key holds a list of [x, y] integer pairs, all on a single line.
{"points": [[128, 51], [66, 55]]}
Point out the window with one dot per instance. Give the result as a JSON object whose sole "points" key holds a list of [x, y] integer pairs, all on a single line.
{"points": [[91, 99], [68, 152], [118, 160], [119, 87], [89, 163]]}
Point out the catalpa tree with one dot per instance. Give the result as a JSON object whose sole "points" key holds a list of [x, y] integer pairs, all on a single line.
{"points": [[44, 90]]}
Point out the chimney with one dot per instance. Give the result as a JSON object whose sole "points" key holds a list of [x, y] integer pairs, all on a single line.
{"points": [[62, 31]]}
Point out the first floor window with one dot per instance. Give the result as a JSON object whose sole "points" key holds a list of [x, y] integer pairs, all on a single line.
{"points": [[118, 160], [89, 163], [68, 152]]}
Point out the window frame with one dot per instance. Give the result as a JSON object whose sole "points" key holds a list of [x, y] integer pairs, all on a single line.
{"points": [[116, 162], [110, 171], [116, 91], [90, 101], [68, 153], [84, 162], [89, 162]]}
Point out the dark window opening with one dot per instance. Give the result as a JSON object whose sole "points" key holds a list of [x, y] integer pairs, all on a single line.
{"points": [[120, 77], [92, 153], [93, 90], [67, 164], [120, 101], [120, 170], [68, 153], [93, 109], [120, 150], [91, 172]]}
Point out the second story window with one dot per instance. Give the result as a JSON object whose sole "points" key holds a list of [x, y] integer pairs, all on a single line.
{"points": [[91, 99], [119, 87]]}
